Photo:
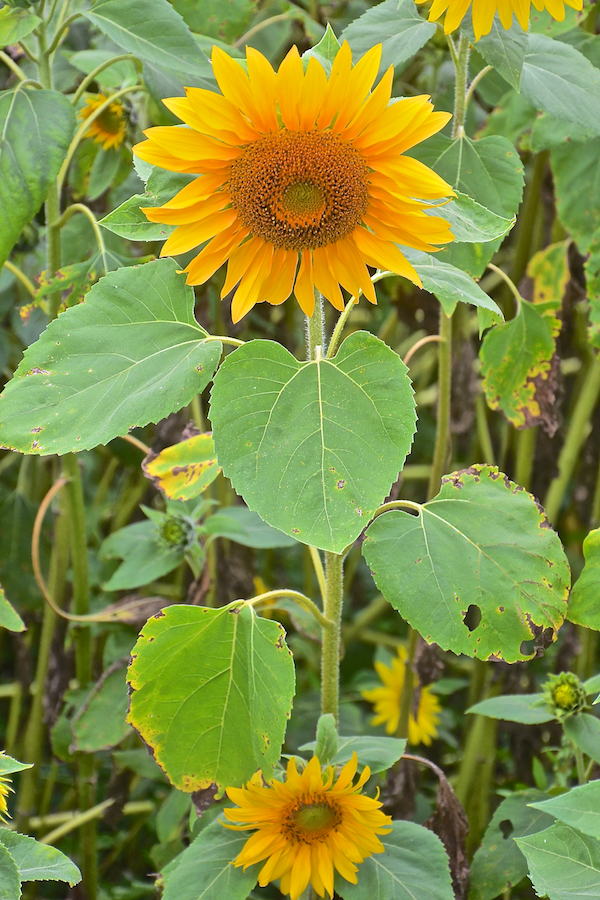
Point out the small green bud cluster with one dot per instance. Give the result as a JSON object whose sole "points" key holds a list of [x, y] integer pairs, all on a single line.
{"points": [[176, 531], [565, 694]]}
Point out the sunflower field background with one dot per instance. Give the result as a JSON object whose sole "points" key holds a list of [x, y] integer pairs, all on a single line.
{"points": [[299, 449]]}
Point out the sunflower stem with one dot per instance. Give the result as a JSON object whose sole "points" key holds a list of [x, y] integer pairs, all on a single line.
{"points": [[461, 64], [406, 695], [315, 329], [442, 433], [330, 653]]}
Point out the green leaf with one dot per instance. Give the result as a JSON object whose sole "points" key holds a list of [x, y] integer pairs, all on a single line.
{"points": [[592, 684], [449, 284], [212, 692], [548, 132], [132, 353], [101, 723], [414, 865], [529, 709], [396, 25], [516, 364], [153, 31], [36, 128], [204, 871], [326, 745], [579, 807], [563, 863], [10, 883], [15, 24], [558, 79], [498, 864], [183, 470], [490, 171], [584, 608], [145, 558], [584, 731], [128, 220], [503, 48], [9, 617], [325, 51], [240, 524], [483, 542], [541, 22], [313, 447], [8, 765], [576, 173], [470, 221], [218, 19], [379, 753], [38, 862]]}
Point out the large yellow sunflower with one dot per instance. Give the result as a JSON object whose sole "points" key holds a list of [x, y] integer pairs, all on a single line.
{"points": [[483, 12], [422, 727], [302, 181], [110, 127], [307, 826]]}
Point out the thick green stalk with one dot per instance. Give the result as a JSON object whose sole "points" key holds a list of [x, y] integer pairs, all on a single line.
{"points": [[408, 684], [529, 213], [442, 434], [330, 653], [526, 441], [577, 432], [461, 65], [315, 329]]}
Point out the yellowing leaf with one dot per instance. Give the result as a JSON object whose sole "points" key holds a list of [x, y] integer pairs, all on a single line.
{"points": [[184, 470], [550, 272]]}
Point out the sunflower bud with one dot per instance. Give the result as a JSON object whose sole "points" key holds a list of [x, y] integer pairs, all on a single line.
{"points": [[176, 532], [564, 694]]}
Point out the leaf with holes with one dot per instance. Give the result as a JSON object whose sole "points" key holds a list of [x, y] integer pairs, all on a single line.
{"points": [[482, 543], [313, 447], [498, 864], [212, 693], [132, 353]]}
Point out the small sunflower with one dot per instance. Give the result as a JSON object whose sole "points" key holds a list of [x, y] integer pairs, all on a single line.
{"points": [[110, 127], [5, 789], [302, 179], [422, 727], [483, 12], [307, 826]]}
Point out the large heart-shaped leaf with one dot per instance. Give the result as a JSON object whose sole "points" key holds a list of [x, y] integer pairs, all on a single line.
{"points": [[132, 353], [564, 864], [313, 447], [212, 692], [579, 807], [36, 128], [482, 544]]}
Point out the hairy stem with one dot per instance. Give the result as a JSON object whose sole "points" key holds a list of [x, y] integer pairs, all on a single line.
{"points": [[332, 609], [442, 434], [315, 329]]}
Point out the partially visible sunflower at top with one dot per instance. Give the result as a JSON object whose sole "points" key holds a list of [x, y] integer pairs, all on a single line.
{"points": [[483, 12], [109, 128], [302, 182]]}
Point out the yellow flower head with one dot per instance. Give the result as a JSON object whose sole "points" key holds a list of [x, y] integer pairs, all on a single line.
{"points": [[5, 789], [307, 826], [110, 127], [422, 727], [483, 12], [302, 182]]}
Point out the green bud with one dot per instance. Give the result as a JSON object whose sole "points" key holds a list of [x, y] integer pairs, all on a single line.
{"points": [[564, 694], [176, 531]]}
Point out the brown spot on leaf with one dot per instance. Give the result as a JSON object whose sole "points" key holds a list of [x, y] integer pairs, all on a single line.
{"points": [[37, 430], [340, 485], [37, 371], [204, 798]]}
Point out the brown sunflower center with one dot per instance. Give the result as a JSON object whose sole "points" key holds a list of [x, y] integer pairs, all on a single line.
{"points": [[111, 120], [300, 190], [311, 819]]}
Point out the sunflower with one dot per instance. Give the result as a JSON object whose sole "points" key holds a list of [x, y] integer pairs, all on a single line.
{"points": [[307, 826], [483, 12], [422, 727], [5, 789], [302, 182], [110, 127]]}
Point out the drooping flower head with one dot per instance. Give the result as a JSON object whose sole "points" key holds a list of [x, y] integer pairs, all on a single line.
{"points": [[308, 826], [110, 127], [422, 723], [301, 181], [483, 12]]}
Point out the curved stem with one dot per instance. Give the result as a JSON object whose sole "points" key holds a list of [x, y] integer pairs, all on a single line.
{"points": [[513, 288], [83, 128], [475, 82], [60, 31], [428, 339], [95, 72], [27, 284], [235, 342], [135, 443], [442, 432], [397, 504], [13, 66], [319, 571], [281, 17], [339, 327], [301, 599], [84, 210]]}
